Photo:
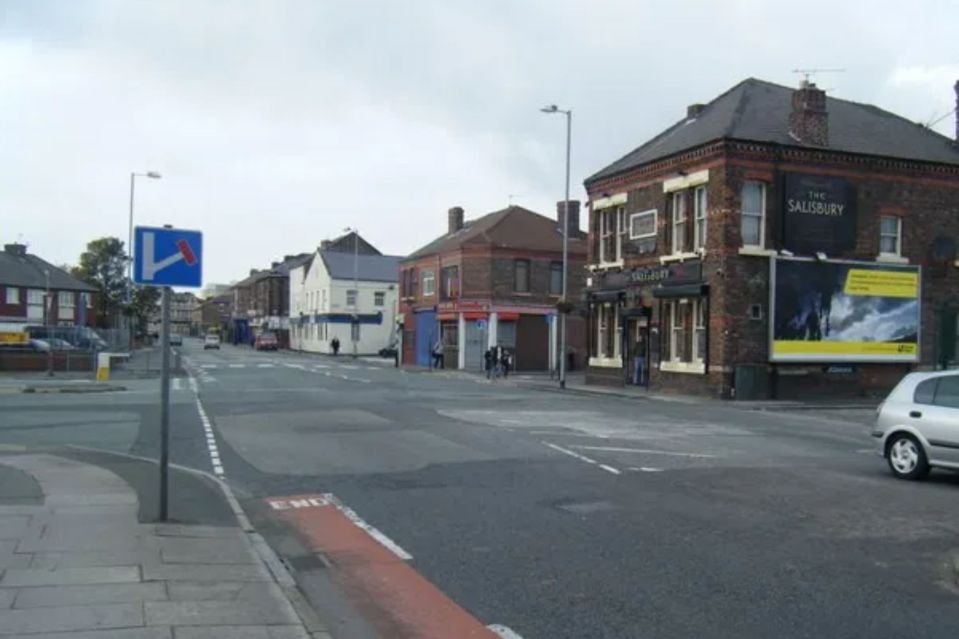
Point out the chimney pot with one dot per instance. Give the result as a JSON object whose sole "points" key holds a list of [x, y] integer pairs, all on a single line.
{"points": [[809, 120], [455, 219], [573, 215], [693, 110]]}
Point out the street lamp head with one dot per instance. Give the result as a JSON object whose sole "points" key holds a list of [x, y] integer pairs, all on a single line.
{"points": [[552, 108], [154, 174]]}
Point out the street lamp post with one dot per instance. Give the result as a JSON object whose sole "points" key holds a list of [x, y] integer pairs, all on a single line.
{"points": [[354, 327], [46, 321], [154, 175], [562, 311]]}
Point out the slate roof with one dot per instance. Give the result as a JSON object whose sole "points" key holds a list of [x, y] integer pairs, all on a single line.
{"points": [[369, 268], [28, 270], [755, 110], [512, 227]]}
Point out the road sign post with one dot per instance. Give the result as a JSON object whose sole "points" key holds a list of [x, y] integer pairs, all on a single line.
{"points": [[165, 405], [167, 257]]}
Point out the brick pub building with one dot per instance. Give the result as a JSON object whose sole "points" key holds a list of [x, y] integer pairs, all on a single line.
{"points": [[493, 281], [776, 243]]}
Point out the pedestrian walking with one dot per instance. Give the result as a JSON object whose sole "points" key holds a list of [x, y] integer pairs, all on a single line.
{"points": [[507, 362], [335, 344], [488, 362], [438, 354]]}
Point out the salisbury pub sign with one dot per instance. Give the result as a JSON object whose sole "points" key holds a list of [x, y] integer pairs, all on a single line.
{"points": [[819, 214]]}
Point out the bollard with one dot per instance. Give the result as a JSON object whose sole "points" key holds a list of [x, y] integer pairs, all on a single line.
{"points": [[103, 367]]}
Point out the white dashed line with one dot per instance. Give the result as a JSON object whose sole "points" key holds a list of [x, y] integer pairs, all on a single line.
{"points": [[264, 365], [211, 445], [503, 632], [566, 451], [349, 367], [647, 469], [643, 451], [385, 541], [237, 365], [208, 365]]}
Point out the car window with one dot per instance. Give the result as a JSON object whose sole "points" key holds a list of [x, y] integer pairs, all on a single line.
{"points": [[925, 392], [947, 392]]}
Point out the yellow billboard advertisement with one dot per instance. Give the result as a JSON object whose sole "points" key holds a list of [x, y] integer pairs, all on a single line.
{"points": [[833, 311]]}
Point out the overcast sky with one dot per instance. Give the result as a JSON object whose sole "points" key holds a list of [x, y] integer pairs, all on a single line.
{"points": [[277, 123]]}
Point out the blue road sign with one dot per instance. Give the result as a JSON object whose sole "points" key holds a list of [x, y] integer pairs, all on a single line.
{"points": [[168, 257]]}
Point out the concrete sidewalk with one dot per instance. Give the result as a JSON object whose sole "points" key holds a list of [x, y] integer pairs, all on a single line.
{"points": [[75, 563]]}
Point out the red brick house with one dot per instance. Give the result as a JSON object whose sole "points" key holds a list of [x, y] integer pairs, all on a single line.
{"points": [[495, 280], [775, 242], [24, 279]]}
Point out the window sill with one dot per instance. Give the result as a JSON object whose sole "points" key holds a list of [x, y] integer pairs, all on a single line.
{"points": [[889, 258], [603, 266], [683, 367], [757, 251], [605, 362], [680, 257]]}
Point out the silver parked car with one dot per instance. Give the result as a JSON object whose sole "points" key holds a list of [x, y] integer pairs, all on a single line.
{"points": [[918, 425]]}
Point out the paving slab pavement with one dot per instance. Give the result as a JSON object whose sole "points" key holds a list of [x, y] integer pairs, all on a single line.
{"points": [[72, 570]]}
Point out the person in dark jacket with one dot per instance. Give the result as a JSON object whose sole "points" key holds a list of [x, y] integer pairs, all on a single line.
{"points": [[335, 344], [507, 362], [488, 361]]}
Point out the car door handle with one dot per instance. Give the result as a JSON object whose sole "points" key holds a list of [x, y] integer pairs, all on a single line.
{"points": [[915, 413]]}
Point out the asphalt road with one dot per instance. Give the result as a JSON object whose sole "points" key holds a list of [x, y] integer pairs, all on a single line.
{"points": [[556, 516], [573, 517]]}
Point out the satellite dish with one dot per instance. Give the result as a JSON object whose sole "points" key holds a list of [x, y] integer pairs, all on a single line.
{"points": [[943, 249]]}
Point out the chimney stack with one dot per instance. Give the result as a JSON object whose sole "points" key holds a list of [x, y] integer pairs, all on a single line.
{"points": [[809, 121], [15, 249], [693, 110], [455, 219], [573, 215], [957, 111]]}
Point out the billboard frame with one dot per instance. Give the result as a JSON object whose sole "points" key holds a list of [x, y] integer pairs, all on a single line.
{"points": [[844, 359]]}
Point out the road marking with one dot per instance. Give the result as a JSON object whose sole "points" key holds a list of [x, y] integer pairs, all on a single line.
{"points": [[560, 433], [264, 365], [320, 366], [566, 451], [211, 445], [646, 469], [306, 502], [176, 383], [297, 366], [208, 365], [643, 451], [237, 365], [503, 632], [358, 521], [349, 367]]}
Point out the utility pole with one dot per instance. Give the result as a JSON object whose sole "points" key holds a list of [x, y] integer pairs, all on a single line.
{"points": [[46, 321], [165, 405]]}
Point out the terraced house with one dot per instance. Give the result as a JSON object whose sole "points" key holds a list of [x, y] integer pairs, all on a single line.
{"points": [[775, 242]]}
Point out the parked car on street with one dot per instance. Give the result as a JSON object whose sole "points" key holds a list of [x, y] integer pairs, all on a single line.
{"points": [[266, 342], [176, 339], [211, 341], [918, 424], [58, 344]]}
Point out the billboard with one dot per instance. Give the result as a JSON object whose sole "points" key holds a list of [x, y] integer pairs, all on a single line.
{"points": [[834, 311]]}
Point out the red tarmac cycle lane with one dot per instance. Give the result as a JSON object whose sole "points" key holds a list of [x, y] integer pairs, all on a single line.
{"points": [[399, 602]]}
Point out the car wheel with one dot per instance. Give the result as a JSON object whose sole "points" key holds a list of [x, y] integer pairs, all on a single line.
{"points": [[907, 459]]}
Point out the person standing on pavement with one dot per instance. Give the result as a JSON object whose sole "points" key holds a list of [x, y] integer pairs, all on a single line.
{"points": [[507, 362], [335, 344], [488, 361], [639, 360], [438, 354]]}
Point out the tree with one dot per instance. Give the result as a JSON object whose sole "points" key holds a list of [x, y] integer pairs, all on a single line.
{"points": [[144, 305], [103, 266]]}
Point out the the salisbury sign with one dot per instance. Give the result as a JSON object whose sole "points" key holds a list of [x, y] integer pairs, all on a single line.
{"points": [[819, 214]]}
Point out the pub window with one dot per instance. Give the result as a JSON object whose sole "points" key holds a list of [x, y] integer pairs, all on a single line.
{"points": [[428, 281], [753, 214], [521, 273], [642, 230], [607, 344], [699, 330], [612, 232], [679, 322], [13, 295], [890, 235], [679, 222], [555, 278], [699, 218]]}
